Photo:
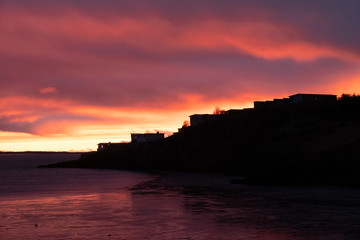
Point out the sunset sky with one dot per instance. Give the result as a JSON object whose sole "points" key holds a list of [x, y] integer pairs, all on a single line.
{"points": [[74, 73]]}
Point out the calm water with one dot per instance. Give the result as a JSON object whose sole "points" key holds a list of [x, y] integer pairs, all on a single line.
{"points": [[103, 204]]}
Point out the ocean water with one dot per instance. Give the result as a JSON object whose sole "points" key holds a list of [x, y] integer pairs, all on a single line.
{"points": [[38, 203]]}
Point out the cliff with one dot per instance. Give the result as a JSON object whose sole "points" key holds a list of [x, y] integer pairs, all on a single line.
{"points": [[299, 144]]}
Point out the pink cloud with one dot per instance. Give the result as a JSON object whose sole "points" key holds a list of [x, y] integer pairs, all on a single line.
{"points": [[118, 68], [47, 90], [58, 35]]}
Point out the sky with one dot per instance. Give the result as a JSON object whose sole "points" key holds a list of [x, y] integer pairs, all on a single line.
{"points": [[74, 73]]}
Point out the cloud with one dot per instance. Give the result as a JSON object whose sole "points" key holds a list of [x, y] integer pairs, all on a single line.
{"points": [[118, 63], [54, 118], [47, 90]]}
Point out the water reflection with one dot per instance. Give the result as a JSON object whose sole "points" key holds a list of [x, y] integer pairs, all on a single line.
{"points": [[223, 211], [100, 204]]}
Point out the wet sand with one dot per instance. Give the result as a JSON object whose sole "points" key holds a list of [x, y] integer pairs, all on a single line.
{"points": [[106, 204]]}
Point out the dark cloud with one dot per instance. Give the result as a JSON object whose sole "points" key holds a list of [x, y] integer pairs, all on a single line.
{"points": [[17, 123], [7, 124]]}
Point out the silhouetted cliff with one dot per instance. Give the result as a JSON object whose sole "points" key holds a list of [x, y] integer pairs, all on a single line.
{"points": [[299, 144]]}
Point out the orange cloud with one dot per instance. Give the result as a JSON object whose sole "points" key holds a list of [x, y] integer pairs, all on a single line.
{"points": [[116, 72]]}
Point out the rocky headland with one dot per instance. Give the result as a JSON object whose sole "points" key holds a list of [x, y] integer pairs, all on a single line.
{"points": [[298, 144]]}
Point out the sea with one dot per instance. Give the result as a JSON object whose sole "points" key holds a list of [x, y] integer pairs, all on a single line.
{"points": [[65, 203]]}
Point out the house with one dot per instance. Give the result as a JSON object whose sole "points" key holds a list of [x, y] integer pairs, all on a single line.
{"points": [[103, 147], [312, 98], [135, 137], [197, 119], [108, 146], [297, 98], [259, 104], [146, 137], [234, 111]]}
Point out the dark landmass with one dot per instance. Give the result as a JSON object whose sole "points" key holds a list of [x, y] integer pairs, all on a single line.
{"points": [[299, 144]]}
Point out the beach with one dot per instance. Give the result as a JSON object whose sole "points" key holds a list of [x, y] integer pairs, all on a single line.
{"points": [[41, 203]]}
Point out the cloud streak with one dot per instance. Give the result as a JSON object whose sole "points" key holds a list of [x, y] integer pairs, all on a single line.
{"points": [[95, 63], [47, 90]]}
